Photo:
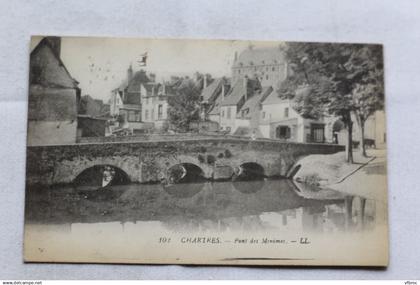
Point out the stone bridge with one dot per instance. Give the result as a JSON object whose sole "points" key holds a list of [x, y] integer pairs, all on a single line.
{"points": [[149, 161]]}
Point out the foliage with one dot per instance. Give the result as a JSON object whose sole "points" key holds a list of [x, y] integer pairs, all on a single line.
{"points": [[184, 105], [335, 79], [211, 159], [228, 154], [201, 158]]}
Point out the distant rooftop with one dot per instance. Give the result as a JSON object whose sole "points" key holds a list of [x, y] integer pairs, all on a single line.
{"points": [[260, 56]]}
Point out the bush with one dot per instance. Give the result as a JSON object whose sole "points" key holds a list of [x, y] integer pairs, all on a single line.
{"points": [[313, 179], [211, 159], [201, 158], [220, 155], [228, 153]]}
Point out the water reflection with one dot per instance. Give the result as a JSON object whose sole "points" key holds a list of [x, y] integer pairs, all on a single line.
{"points": [[180, 191], [209, 206]]}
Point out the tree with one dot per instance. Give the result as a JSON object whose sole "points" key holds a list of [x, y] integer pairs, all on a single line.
{"points": [[338, 79], [368, 93], [184, 105]]}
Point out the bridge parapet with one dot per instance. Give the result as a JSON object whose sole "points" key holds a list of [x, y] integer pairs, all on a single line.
{"points": [[149, 161]]}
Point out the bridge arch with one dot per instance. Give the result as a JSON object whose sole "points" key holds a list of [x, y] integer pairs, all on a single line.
{"points": [[185, 172], [101, 175], [249, 171]]}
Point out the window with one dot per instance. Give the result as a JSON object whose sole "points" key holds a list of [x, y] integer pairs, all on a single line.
{"points": [[239, 71], [228, 113], [286, 112], [273, 69], [245, 112], [283, 132], [223, 113], [146, 115], [134, 116], [266, 77], [160, 111], [263, 115]]}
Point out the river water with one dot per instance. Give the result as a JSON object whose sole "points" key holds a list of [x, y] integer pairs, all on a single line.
{"points": [[218, 206], [129, 223]]}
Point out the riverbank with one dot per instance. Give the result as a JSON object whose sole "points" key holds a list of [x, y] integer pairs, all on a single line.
{"points": [[370, 181], [366, 177]]}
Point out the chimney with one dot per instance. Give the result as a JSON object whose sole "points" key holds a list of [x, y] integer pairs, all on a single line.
{"points": [[246, 87], [55, 44], [236, 56], [129, 73], [223, 90]]}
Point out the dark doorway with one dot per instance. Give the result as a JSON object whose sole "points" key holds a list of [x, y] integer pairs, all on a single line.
{"points": [[317, 133], [283, 132]]}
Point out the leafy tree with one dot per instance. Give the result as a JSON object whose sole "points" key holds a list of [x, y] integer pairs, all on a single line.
{"points": [[336, 79], [184, 105]]}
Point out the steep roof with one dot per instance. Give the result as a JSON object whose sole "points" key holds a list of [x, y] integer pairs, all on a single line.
{"points": [[236, 94], [260, 56], [215, 108], [47, 69], [239, 90], [255, 100], [273, 98], [152, 88], [212, 89], [138, 78]]}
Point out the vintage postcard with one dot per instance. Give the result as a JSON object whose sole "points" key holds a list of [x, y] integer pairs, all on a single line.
{"points": [[206, 152]]}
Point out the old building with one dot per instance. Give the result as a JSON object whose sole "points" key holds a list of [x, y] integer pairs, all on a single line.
{"points": [[89, 126], [249, 116], [125, 101], [267, 64], [211, 97], [374, 130], [279, 120], [155, 104], [243, 89], [53, 96], [93, 107]]}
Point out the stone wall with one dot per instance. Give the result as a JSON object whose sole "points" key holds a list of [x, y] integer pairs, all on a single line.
{"points": [[150, 161]]}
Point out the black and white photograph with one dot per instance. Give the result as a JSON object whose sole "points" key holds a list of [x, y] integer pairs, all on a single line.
{"points": [[211, 152]]}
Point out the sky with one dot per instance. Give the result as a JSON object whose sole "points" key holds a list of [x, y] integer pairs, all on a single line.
{"points": [[100, 64]]}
